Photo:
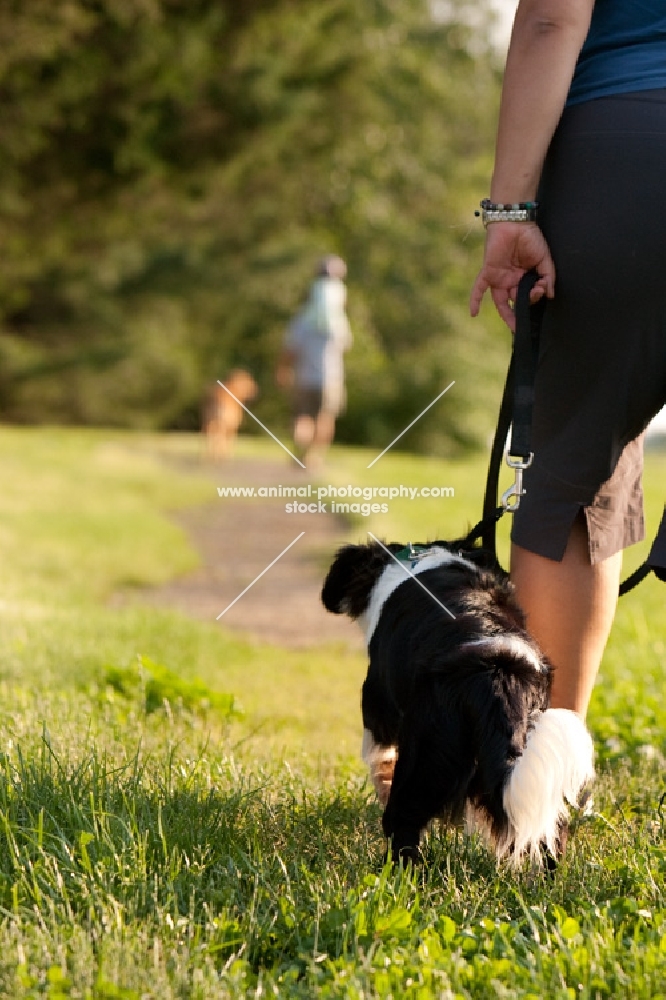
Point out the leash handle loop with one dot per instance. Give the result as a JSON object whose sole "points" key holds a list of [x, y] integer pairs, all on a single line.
{"points": [[525, 353], [525, 356], [487, 527]]}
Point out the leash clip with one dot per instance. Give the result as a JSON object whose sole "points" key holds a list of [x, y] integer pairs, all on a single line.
{"points": [[511, 498]]}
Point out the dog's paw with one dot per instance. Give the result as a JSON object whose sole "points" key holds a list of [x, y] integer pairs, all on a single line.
{"points": [[551, 859], [381, 761], [382, 779], [403, 851]]}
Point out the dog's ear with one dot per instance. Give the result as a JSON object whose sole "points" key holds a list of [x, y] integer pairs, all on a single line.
{"points": [[352, 576]]}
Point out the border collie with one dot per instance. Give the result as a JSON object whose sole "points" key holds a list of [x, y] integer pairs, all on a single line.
{"points": [[455, 702]]}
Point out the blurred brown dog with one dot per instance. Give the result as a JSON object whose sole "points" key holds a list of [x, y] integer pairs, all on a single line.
{"points": [[222, 413]]}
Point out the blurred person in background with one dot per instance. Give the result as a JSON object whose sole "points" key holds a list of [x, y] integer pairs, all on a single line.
{"points": [[582, 131], [312, 363]]}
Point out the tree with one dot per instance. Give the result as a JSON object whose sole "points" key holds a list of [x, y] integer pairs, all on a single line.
{"points": [[172, 171]]}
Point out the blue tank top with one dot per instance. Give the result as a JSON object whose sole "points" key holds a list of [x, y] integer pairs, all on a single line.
{"points": [[625, 50]]}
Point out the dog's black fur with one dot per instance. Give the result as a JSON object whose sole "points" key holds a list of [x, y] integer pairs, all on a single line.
{"points": [[458, 716]]}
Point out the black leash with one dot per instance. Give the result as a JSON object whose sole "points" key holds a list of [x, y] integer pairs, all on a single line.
{"points": [[653, 564], [516, 413]]}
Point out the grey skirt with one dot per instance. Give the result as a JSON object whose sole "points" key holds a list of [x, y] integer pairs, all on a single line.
{"points": [[601, 374]]}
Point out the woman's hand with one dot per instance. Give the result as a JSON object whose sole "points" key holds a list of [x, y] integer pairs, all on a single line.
{"points": [[512, 248]]}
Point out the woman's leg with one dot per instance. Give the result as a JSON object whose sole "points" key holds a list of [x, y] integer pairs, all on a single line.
{"points": [[570, 607]]}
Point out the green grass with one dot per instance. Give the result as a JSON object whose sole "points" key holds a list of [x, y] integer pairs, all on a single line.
{"points": [[182, 813], [85, 515]]}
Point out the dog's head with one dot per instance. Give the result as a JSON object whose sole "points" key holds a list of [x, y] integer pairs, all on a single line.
{"points": [[355, 571], [241, 384], [357, 568]]}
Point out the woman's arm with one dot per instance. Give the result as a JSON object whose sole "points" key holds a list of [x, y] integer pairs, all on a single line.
{"points": [[546, 40], [545, 43]]}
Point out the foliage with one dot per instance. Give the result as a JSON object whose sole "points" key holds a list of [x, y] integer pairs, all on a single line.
{"points": [[159, 687], [172, 170]]}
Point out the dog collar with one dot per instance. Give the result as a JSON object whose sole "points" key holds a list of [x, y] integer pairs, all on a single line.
{"points": [[408, 562], [413, 553]]}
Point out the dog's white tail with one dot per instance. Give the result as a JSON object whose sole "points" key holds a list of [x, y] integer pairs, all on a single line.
{"points": [[557, 761]]}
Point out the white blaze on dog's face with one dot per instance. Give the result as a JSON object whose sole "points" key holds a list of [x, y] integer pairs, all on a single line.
{"points": [[394, 574]]}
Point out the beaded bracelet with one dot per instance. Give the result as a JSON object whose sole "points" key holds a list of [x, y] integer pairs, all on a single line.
{"points": [[520, 211]]}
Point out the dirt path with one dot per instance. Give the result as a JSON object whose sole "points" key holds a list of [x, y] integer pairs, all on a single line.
{"points": [[237, 539]]}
